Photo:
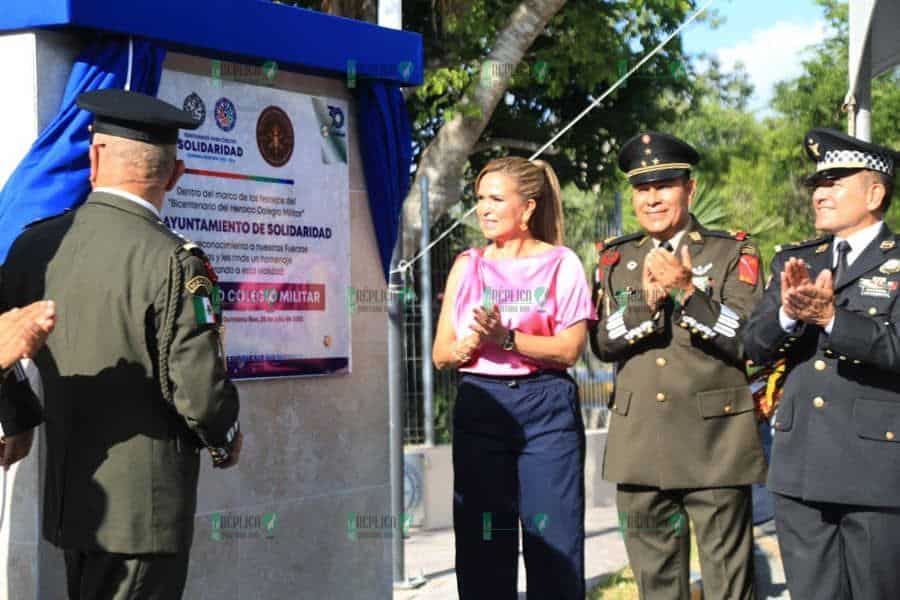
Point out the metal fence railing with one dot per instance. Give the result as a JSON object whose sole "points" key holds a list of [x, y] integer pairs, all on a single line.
{"points": [[594, 378], [442, 256]]}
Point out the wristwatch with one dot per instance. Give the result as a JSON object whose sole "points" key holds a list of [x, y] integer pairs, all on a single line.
{"points": [[509, 342]]}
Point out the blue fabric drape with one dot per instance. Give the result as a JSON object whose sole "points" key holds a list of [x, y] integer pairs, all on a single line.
{"points": [[53, 176], [385, 142]]}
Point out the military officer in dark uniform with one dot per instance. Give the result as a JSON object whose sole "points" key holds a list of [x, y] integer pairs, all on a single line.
{"points": [[134, 376], [831, 310], [683, 442]]}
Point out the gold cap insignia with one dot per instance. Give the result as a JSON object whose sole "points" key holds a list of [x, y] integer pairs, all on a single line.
{"points": [[813, 147]]}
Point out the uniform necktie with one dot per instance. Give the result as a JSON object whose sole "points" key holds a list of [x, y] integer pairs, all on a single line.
{"points": [[667, 246], [843, 249]]}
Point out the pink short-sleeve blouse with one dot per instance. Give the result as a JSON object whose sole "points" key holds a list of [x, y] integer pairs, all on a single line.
{"points": [[541, 294]]}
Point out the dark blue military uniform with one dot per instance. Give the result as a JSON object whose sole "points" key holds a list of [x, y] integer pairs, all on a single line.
{"points": [[835, 465]]}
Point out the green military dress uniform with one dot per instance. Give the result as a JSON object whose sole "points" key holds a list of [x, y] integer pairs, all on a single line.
{"points": [[682, 420], [134, 378], [683, 439], [134, 374]]}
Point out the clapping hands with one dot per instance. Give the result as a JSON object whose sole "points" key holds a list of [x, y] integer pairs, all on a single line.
{"points": [[664, 272], [804, 299], [24, 330]]}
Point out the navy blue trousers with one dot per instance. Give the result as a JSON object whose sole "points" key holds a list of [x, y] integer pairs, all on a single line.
{"points": [[518, 459]]}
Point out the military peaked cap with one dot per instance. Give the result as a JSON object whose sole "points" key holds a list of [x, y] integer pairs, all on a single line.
{"points": [[837, 155], [654, 156], [135, 116]]}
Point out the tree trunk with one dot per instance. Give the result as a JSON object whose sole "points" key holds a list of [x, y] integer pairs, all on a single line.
{"points": [[362, 10], [443, 160]]}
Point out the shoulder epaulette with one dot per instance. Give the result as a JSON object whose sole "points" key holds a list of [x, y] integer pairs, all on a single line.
{"points": [[194, 250], [803, 244], [616, 240], [188, 246], [739, 236], [50, 218]]}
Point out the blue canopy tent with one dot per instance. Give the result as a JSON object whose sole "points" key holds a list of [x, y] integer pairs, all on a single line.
{"points": [[52, 177]]}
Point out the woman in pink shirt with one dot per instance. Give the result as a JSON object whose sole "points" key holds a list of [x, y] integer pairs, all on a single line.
{"points": [[514, 318]]}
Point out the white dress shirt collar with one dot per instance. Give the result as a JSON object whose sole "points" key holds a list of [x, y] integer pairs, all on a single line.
{"points": [[134, 198], [859, 241], [674, 240]]}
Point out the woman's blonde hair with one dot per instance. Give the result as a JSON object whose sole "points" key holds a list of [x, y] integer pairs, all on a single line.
{"points": [[535, 179]]}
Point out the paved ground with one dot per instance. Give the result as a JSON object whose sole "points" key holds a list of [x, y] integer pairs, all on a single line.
{"points": [[430, 553], [770, 581]]}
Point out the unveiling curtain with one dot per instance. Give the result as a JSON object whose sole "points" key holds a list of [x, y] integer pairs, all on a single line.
{"points": [[386, 147], [53, 176]]}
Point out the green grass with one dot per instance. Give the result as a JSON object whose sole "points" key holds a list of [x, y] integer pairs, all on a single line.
{"points": [[621, 584], [618, 586]]}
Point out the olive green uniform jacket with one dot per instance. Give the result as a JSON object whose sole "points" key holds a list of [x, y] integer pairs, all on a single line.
{"points": [[134, 376], [682, 414]]}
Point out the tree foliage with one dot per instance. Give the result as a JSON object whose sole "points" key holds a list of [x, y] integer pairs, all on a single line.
{"points": [[754, 166]]}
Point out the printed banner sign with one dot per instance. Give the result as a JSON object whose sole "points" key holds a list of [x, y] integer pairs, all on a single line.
{"points": [[266, 195]]}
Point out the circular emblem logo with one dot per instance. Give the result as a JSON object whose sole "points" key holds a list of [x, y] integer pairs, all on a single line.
{"points": [[275, 136], [226, 114], [194, 105]]}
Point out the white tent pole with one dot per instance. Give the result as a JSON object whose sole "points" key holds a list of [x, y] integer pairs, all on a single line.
{"points": [[390, 13], [859, 105]]}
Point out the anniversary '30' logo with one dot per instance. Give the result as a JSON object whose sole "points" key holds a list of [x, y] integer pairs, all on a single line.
{"points": [[275, 136]]}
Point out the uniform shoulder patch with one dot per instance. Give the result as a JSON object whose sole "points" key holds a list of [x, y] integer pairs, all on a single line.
{"points": [[198, 283], [610, 257], [748, 268], [192, 249]]}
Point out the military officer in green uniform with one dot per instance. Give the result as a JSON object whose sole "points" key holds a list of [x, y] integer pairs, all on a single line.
{"points": [[683, 444], [134, 375], [832, 311]]}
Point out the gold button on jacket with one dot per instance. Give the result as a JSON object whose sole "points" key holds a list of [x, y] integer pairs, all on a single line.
{"points": [[668, 426], [121, 471]]}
